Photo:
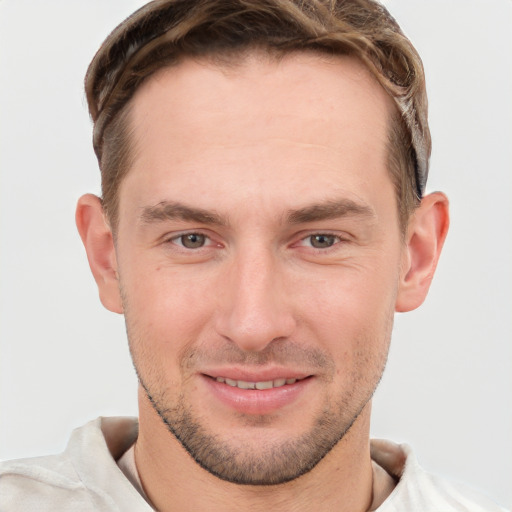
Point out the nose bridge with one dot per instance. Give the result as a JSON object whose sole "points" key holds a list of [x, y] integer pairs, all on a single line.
{"points": [[255, 309]]}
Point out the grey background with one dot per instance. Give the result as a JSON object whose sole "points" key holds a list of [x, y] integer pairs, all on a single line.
{"points": [[63, 360]]}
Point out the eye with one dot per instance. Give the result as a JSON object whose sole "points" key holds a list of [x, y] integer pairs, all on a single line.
{"points": [[322, 241], [191, 240]]}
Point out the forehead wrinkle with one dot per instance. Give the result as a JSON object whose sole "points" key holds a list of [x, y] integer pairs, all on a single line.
{"points": [[332, 209], [171, 210]]}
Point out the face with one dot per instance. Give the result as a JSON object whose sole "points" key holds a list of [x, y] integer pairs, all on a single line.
{"points": [[259, 256]]}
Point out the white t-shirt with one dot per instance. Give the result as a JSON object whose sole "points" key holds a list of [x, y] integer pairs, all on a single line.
{"points": [[92, 474]]}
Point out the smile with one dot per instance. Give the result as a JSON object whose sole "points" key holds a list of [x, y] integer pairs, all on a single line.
{"points": [[258, 392], [268, 384]]}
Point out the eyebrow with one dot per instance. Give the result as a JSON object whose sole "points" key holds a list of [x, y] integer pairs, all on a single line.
{"points": [[333, 209], [168, 210]]}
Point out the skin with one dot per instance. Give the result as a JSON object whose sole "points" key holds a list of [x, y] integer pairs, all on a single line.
{"points": [[263, 161]]}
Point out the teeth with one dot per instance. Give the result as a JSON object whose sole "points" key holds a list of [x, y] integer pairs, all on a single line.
{"points": [[268, 384], [246, 385], [265, 385]]}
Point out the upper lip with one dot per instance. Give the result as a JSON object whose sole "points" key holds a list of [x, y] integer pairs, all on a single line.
{"points": [[255, 375]]}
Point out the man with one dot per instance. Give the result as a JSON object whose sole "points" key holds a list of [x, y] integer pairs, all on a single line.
{"points": [[263, 216]]}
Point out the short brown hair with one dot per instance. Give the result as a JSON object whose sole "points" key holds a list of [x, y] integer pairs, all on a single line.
{"points": [[163, 32]]}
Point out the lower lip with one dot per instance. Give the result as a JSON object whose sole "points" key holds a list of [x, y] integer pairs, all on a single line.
{"points": [[257, 402]]}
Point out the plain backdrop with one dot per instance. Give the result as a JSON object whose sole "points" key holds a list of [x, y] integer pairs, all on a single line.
{"points": [[64, 360]]}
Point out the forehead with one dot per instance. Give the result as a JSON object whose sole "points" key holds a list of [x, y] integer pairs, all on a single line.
{"points": [[306, 85], [262, 123]]}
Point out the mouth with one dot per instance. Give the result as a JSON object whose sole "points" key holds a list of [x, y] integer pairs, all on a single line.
{"points": [[260, 385], [257, 393]]}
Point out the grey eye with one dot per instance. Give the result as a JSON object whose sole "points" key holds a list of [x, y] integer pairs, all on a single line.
{"points": [[192, 240], [322, 241]]}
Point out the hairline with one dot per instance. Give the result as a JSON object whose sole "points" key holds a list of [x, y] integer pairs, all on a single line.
{"points": [[235, 58]]}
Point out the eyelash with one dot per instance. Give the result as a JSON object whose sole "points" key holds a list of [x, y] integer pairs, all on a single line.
{"points": [[337, 240], [303, 242], [175, 238]]}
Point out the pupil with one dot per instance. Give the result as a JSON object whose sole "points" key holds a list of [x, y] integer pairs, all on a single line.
{"points": [[322, 241], [193, 241]]}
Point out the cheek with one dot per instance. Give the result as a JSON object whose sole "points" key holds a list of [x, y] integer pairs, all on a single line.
{"points": [[164, 309], [350, 312]]}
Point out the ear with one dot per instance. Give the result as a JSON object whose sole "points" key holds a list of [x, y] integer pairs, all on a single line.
{"points": [[424, 240], [99, 244]]}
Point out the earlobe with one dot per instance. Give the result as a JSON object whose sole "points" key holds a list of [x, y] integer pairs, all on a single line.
{"points": [[425, 238], [99, 244]]}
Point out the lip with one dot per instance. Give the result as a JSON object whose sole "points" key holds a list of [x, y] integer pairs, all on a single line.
{"points": [[256, 402], [259, 375]]}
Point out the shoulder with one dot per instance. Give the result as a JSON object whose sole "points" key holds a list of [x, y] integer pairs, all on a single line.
{"points": [[422, 491], [41, 483], [84, 477]]}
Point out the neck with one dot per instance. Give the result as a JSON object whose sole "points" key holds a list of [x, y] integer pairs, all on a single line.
{"points": [[173, 481]]}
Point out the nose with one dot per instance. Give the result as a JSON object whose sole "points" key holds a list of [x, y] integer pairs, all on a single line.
{"points": [[255, 306]]}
